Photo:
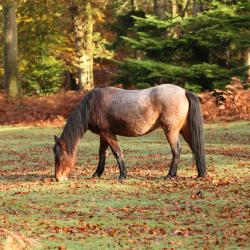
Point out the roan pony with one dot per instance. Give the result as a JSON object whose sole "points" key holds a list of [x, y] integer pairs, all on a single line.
{"points": [[112, 111]]}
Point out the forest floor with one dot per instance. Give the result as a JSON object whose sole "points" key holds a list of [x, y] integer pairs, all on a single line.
{"points": [[142, 212]]}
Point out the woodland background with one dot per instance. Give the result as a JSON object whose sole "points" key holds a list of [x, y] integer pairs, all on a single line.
{"points": [[52, 46], [71, 44]]}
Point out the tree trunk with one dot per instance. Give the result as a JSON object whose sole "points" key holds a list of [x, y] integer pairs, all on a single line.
{"points": [[168, 6], [10, 48], [159, 8], [195, 8], [201, 6], [134, 5], [248, 62], [174, 8], [184, 11], [83, 32]]}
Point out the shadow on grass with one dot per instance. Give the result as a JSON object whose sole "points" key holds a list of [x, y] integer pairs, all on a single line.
{"points": [[138, 178]]}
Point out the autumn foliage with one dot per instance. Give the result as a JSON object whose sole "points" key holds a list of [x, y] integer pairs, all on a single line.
{"points": [[230, 104]]}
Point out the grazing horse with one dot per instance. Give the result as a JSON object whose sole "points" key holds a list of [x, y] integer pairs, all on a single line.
{"points": [[112, 111]]}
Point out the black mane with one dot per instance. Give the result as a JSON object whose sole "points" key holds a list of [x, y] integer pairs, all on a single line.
{"points": [[77, 122]]}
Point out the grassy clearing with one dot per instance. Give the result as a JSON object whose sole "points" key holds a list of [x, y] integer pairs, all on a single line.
{"points": [[143, 212]]}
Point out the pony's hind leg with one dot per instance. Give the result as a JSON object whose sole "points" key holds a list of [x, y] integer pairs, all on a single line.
{"points": [[103, 150], [185, 132], [173, 139], [113, 144]]}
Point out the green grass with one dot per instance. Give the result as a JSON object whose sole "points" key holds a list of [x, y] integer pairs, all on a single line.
{"points": [[143, 212]]}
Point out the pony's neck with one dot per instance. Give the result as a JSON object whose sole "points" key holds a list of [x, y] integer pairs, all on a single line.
{"points": [[71, 140], [77, 123], [73, 153]]}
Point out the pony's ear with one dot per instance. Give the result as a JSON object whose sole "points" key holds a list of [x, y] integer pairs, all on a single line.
{"points": [[57, 140]]}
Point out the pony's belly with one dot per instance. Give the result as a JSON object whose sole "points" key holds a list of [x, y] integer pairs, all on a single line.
{"points": [[131, 129]]}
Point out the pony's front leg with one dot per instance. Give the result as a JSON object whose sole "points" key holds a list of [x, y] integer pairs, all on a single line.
{"points": [[119, 157], [103, 151], [113, 143]]}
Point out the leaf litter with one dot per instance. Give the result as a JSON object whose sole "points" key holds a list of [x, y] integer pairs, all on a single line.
{"points": [[144, 211]]}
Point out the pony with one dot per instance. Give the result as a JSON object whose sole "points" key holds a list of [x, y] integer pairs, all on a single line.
{"points": [[110, 111]]}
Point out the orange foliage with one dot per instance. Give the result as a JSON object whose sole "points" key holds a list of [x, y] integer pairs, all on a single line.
{"points": [[231, 104]]}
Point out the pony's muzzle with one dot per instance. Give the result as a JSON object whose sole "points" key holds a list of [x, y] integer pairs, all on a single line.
{"points": [[62, 178]]}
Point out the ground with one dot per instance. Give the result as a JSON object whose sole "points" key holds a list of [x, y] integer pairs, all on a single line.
{"points": [[142, 212]]}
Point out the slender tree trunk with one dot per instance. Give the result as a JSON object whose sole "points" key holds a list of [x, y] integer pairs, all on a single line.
{"points": [[184, 11], [174, 8], [195, 8], [201, 6], [248, 62], [89, 46], [159, 8], [168, 6], [10, 48], [134, 5], [83, 32]]}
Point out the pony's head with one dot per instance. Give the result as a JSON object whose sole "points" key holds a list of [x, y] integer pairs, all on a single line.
{"points": [[64, 161]]}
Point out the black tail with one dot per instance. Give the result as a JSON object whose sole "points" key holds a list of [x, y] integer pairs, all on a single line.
{"points": [[196, 128]]}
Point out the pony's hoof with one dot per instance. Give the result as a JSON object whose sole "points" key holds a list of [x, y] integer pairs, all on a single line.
{"points": [[169, 177], [96, 175], [122, 177], [202, 176]]}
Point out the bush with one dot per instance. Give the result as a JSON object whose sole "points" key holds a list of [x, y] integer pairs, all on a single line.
{"points": [[193, 77], [44, 76], [142, 85]]}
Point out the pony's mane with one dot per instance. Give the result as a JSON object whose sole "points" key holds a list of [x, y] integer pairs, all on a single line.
{"points": [[77, 122]]}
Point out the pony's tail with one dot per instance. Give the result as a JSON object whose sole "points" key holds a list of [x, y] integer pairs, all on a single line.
{"points": [[196, 129]]}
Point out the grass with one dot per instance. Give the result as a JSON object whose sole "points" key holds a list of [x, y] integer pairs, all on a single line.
{"points": [[143, 212]]}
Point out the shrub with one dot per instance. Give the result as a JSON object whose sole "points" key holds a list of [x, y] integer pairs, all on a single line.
{"points": [[44, 76]]}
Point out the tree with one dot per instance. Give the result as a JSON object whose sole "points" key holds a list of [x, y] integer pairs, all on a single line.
{"points": [[195, 8], [196, 52], [83, 38], [174, 8], [134, 5], [184, 11], [41, 45], [10, 48], [48, 42], [247, 56], [158, 8]]}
